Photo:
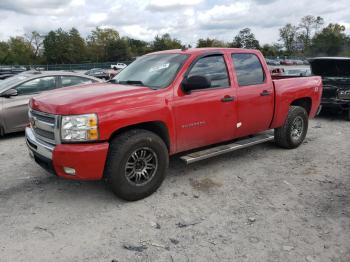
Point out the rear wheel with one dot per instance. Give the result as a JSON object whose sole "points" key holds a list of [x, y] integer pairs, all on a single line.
{"points": [[294, 130], [136, 164], [348, 115]]}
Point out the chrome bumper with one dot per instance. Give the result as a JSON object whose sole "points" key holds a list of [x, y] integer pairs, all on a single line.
{"points": [[39, 147]]}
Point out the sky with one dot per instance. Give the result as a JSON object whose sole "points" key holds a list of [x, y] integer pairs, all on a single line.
{"points": [[186, 20]]}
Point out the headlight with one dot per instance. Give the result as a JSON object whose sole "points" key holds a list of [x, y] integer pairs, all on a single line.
{"points": [[79, 128]]}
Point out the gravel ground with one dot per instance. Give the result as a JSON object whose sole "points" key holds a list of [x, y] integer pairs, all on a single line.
{"points": [[258, 204]]}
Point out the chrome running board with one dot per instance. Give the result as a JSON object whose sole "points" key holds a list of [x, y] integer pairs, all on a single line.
{"points": [[222, 149]]}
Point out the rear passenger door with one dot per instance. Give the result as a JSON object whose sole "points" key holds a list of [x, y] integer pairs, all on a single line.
{"points": [[255, 94]]}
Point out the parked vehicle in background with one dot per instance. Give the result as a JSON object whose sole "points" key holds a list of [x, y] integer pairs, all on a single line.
{"points": [[280, 72], [6, 72], [162, 104], [286, 62], [335, 73], [118, 66], [16, 91], [297, 72], [98, 73], [272, 62], [298, 62]]}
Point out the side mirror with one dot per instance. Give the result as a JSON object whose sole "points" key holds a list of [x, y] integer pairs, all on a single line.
{"points": [[10, 92], [195, 83]]}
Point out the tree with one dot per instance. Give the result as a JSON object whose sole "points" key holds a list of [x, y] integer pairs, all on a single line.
{"points": [[20, 51], [55, 47], [4, 52], [308, 25], [98, 42], [138, 47], [36, 41], [245, 39], [165, 42], [210, 42], [119, 50], [76, 46], [272, 50], [330, 41], [288, 35]]}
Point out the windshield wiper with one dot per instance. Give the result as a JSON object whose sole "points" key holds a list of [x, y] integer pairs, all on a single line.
{"points": [[131, 82]]}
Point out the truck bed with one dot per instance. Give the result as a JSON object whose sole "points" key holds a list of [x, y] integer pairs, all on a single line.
{"points": [[288, 89]]}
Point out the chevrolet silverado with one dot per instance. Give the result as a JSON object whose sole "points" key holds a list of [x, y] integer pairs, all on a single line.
{"points": [[200, 102]]}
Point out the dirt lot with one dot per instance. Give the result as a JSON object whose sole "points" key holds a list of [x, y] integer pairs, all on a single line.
{"points": [[258, 204]]}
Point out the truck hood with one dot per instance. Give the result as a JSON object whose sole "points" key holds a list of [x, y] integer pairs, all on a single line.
{"points": [[90, 98], [331, 67]]}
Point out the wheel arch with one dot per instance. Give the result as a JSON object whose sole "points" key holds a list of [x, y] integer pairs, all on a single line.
{"points": [[304, 102], [157, 127]]}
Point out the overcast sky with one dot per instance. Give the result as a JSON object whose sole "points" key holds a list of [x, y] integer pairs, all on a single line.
{"points": [[186, 20]]}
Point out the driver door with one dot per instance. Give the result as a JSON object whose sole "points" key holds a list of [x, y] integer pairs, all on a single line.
{"points": [[206, 116], [15, 108]]}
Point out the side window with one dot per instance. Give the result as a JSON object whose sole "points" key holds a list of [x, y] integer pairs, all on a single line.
{"points": [[75, 80], [214, 68], [248, 69], [37, 85]]}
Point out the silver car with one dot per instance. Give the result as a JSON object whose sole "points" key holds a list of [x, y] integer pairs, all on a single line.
{"points": [[16, 91]]}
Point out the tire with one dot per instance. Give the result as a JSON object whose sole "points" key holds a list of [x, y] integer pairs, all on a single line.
{"points": [[136, 165], [294, 130], [348, 115]]}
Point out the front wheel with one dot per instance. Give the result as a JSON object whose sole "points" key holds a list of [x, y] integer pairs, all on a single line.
{"points": [[294, 130], [136, 164]]}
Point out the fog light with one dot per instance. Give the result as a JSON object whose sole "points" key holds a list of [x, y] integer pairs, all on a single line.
{"points": [[69, 171]]}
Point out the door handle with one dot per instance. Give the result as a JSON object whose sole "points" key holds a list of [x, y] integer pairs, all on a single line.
{"points": [[227, 99], [265, 93]]}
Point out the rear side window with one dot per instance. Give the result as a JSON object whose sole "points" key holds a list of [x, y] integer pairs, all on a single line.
{"points": [[75, 80], [248, 69], [214, 68]]}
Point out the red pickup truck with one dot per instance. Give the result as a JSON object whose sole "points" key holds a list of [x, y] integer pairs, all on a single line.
{"points": [[162, 104]]}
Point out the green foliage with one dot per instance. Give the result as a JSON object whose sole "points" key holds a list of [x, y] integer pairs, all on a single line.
{"points": [[20, 51], [272, 50], [288, 35], [309, 39], [4, 52], [76, 46], [105, 44], [210, 42], [99, 41], [307, 27], [56, 46], [165, 42], [330, 41], [138, 47], [245, 39]]}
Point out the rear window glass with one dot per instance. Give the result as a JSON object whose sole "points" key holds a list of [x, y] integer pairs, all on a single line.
{"points": [[74, 80], [248, 69]]}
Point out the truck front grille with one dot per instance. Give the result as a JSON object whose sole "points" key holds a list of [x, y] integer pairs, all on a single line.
{"points": [[329, 91], [44, 126]]}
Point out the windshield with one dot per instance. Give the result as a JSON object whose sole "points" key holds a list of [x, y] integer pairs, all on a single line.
{"points": [[331, 67], [155, 71], [11, 80]]}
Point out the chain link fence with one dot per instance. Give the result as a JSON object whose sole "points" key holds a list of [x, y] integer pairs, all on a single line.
{"points": [[65, 67]]}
